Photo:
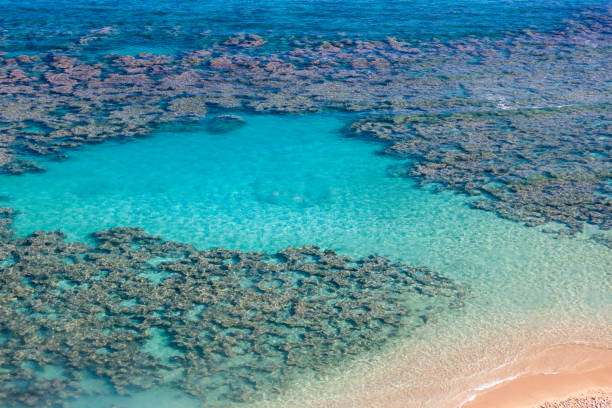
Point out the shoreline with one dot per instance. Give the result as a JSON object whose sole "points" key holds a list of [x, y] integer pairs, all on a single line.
{"points": [[561, 375], [511, 371]]}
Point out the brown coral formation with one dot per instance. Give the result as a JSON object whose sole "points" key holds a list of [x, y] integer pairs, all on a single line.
{"points": [[530, 165], [221, 325], [81, 101], [508, 96]]}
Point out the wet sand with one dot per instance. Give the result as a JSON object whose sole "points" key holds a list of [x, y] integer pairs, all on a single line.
{"points": [[522, 369], [570, 375]]}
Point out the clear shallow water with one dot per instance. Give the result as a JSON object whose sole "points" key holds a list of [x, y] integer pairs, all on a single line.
{"points": [[274, 183], [279, 181], [294, 180]]}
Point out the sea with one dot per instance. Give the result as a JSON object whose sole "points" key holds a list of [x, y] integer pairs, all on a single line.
{"points": [[262, 178]]}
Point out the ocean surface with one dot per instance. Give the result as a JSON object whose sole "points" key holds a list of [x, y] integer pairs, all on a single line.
{"points": [[163, 26], [288, 179]]}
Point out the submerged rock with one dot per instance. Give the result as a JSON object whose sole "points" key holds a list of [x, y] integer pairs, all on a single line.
{"points": [[225, 123], [603, 239], [21, 166], [245, 40]]}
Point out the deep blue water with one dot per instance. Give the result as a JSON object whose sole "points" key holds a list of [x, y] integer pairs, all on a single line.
{"points": [[170, 26]]}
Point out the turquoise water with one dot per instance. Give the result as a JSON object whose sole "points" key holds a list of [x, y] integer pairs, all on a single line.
{"points": [[279, 181], [290, 180], [273, 183], [295, 180]]}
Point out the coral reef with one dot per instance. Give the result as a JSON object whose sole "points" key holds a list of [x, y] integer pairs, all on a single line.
{"points": [[530, 165], [75, 101], [218, 324], [506, 95]]}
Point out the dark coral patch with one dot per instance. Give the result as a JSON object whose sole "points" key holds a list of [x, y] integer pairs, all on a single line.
{"points": [[225, 123], [138, 312], [531, 165]]}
